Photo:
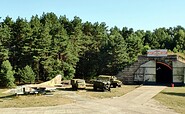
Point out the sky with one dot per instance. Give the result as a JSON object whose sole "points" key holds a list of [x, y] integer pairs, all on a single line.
{"points": [[136, 14]]}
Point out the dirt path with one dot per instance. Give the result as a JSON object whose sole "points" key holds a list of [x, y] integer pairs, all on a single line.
{"points": [[136, 102]]}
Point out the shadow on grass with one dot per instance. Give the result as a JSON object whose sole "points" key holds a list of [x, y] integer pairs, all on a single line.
{"points": [[66, 89], [173, 93], [91, 90], [86, 89], [8, 96]]}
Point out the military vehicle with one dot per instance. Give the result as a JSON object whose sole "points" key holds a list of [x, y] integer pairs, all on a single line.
{"points": [[101, 85], [78, 84], [114, 82]]}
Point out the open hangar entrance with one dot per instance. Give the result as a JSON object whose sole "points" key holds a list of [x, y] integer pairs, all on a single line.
{"points": [[163, 73]]}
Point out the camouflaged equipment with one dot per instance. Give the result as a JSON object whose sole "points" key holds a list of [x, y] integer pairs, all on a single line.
{"points": [[114, 82], [78, 84]]}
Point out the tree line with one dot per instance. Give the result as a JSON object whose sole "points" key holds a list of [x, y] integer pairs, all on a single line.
{"points": [[39, 49]]}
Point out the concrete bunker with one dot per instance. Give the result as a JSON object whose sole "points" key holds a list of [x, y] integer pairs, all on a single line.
{"points": [[155, 70]]}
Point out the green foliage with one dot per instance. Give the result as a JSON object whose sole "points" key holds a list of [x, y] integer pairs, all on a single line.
{"points": [[6, 75], [4, 42], [3, 54], [116, 50], [53, 45], [134, 47], [145, 48], [27, 75]]}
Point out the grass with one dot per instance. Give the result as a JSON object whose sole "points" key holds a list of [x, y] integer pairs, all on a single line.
{"points": [[7, 101], [1, 92], [58, 98], [173, 98], [115, 92]]}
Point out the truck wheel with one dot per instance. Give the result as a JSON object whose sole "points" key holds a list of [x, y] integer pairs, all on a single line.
{"points": [[95, 88], [74, 88], [103, 89], [109, 89], [114, 85]]}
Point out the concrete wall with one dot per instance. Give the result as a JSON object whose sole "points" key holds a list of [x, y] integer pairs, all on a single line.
{"points": [[178, 72], [146, 73]]}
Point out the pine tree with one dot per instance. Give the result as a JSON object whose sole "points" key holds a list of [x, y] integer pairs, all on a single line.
{"points": [[6, 75], [27, 75], [4, 42], [117, 56]]}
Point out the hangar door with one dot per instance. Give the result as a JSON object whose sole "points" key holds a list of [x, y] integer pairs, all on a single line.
{"points": [[163, 73]]}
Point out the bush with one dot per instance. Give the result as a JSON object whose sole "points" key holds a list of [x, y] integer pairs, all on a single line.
{"points": [[27, 75]]}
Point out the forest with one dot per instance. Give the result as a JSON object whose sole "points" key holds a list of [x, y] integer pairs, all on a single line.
{"points": [[47, 45]]}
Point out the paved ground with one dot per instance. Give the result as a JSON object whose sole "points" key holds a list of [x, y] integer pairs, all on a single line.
{"points": [[136, 102]]}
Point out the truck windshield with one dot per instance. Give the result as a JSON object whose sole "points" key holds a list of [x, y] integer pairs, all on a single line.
{"points": [[80, 81]]}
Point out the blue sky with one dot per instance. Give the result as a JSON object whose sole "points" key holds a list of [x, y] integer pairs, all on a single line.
{"points": [[136, 14]]}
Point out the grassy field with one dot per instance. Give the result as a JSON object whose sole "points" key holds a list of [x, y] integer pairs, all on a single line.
{"points": [[173, 98], [1, 92], [115, 92], [7, 100]]}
